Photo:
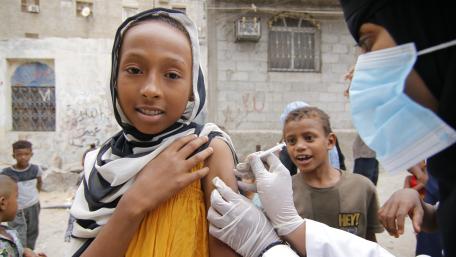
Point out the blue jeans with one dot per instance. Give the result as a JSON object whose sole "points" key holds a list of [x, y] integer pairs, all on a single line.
{"points": [[367, 167], [430, 243]]}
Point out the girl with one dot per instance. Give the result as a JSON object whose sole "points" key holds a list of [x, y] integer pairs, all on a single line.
{"points": [[134, 199]]}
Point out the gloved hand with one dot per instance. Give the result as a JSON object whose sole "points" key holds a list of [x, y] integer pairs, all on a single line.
{"points": [[275, 191], [235, 221]]}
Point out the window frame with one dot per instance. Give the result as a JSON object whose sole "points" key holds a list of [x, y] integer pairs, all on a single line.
{"points": [[44, 106], [294, 30]]}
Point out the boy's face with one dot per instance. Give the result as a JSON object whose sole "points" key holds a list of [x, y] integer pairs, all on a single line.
{"points": [[155, 75], [9, 205], [307, 143], [22, 156]]}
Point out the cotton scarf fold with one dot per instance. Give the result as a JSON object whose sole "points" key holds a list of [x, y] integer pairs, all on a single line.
{"points": [[111, 170]]}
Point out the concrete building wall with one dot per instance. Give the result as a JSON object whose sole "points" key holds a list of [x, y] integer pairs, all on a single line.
{"points": [[83, 110], [247, 99], [248, 96], [58, 18], [79, 51]]}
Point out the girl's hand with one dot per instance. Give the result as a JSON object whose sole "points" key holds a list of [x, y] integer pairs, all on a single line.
{"points": [[167, 174]]}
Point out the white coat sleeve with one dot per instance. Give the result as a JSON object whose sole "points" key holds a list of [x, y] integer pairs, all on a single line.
{"points": [[324, 241], [280, 251]]}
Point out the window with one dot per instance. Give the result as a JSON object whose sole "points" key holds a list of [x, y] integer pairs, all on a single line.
{"points": [[31, 6], [33, 97], [294, 45]]}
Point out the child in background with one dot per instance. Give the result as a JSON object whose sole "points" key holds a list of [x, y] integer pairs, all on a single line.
{"points": [[336, 157], [28, 177], [10, 245], [322, 193], [134, 199], [418, 179]]}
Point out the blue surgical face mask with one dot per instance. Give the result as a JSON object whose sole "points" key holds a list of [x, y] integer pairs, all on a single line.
{"points": [[399, 130]]}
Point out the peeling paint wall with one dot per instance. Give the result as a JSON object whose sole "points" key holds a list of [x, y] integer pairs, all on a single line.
{"points": [[102, 23], [80, 54], [247, 98], [83, 108]]}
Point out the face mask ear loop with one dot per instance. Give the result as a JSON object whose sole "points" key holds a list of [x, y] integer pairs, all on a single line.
{"points": [[437, 47]]}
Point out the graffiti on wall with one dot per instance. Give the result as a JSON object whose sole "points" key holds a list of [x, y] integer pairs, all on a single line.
{"points": [[88, 123], [253, 102], [235, 113]]}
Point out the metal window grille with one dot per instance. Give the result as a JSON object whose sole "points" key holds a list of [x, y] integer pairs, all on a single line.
{"points": [[33, 97], [293, 46], [33, 108]]}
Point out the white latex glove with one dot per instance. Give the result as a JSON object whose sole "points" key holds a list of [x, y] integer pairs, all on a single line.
{"points": [[275, 191], [235, 221]]}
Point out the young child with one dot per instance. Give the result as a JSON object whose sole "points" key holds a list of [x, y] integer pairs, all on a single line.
{"points": [[133, 200], [337, 198], [336, 158], [28, 177], [10, 245]]}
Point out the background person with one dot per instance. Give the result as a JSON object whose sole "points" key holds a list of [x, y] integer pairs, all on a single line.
{"points": [[430, 243], [336, 157], [10, 245], [28, 177], [417, 179], [321, 192]]}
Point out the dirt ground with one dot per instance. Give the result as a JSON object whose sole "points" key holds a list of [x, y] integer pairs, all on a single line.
{"points": [[53, 221]]}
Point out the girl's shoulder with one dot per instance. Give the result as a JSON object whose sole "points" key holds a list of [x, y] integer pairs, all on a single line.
{"points": [[221, 164], [222, 149]]}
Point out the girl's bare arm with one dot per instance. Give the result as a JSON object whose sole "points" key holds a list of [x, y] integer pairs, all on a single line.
{"points": [[220, 164]]}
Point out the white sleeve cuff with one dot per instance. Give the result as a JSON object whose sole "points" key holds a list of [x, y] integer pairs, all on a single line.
{"points": [[325, 241], [280, 251]]}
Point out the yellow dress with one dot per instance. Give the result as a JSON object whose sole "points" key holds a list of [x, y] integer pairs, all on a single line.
{"points": [[178, 228]]}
